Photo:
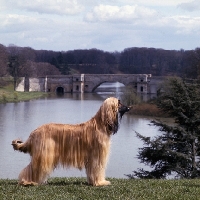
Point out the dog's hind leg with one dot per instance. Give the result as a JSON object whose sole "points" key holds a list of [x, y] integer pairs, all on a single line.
{"points": [[26, 176], [41, 165], [33, 175]]}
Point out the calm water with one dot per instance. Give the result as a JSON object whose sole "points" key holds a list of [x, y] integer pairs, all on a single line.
{"points": [[17, 120]]}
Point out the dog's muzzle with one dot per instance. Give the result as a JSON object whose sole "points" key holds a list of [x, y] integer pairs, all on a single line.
{"points": [[123, 109]]}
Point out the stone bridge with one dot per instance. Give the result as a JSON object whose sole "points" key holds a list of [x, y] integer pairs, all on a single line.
{"points": [[87, 83]]}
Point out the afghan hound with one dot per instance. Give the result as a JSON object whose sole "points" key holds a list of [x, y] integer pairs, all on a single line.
{"points": [[84, 145]]}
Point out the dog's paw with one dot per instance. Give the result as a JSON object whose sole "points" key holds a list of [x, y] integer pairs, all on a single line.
{"points": [[103, 183], [27, 183]]}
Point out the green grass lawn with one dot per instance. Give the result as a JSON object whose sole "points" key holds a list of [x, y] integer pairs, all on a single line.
{"points": [[7, 94], [124, 189]]}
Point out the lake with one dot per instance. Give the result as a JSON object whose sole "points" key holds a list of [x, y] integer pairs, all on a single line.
{"points": [[18, 120]]}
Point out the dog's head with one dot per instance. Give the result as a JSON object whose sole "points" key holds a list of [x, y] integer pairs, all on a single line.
{"points": [[111, 111], [122, 109]]}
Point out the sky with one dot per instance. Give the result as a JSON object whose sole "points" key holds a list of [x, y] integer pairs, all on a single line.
{"points": [[108, 25]]}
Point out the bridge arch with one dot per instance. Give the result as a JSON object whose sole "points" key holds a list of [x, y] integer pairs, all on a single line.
{"points": [[97, 85], [101, 83], [60, 90]]}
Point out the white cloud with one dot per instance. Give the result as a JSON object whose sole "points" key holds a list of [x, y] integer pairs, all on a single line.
{"points": [[154, 2], [17, 22], [187, 25], [143, 18], [104, 24], [107, 13], [190, 6], [59, 7]]}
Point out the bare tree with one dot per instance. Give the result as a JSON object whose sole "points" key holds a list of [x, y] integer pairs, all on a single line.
{"points": [[33, 69], [3, 61], [15, 62]]}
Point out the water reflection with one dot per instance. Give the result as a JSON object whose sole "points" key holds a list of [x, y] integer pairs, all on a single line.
{"points": [[17, 120], [105, 89]]}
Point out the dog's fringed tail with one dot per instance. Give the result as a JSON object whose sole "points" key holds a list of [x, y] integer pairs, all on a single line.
{"points": [[18, 145]]}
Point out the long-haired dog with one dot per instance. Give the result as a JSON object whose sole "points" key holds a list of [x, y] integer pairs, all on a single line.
{"points": [[84, 145]]}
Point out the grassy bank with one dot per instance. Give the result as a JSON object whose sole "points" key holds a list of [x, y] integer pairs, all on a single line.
{"points": [[7, 94], [124, 189], [147, 109]]}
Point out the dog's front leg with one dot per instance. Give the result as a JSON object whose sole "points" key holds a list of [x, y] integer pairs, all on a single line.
{"points": [[96, 174]]}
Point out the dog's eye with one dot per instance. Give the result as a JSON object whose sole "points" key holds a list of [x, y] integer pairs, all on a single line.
{"points": [[119, 104]]}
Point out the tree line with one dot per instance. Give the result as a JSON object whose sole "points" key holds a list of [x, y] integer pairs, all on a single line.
{"points": [[25, 61]]}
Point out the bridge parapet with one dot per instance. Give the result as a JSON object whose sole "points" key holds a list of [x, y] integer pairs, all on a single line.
{"points": [[92, 81], [144, 83]]}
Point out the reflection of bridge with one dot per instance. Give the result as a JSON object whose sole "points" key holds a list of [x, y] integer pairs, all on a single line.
{"points": [[143, 83]]}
